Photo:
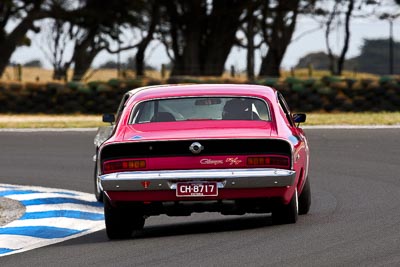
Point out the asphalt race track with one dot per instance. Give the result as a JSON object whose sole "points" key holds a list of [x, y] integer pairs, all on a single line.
{"points": [[354, 218]]}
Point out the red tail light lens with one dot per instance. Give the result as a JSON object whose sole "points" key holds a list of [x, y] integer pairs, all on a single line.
{"points": [[123, 165], [269, 161]]}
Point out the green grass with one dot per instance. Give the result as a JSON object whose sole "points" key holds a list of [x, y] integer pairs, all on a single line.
{"points": [[366, 118], [93, 121], [50, 121]]}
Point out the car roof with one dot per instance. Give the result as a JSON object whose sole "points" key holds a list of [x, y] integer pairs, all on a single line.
{"points": [[173, 90]]}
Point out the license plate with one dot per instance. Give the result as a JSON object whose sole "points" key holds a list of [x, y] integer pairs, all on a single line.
{"points": [[196, 189]]}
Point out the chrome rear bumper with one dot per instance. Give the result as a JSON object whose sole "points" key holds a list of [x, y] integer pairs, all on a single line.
{"points": [[226, 178]]}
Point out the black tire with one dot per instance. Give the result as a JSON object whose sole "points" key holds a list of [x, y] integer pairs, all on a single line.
{"points": [[286, 214], [121, 221], [98, 193], [305, 198]]}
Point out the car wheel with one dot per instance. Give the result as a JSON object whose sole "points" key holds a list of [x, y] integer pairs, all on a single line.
{"points": [[120, 221], [97, 190], [285, 214], [305, 198], [98, 193]]}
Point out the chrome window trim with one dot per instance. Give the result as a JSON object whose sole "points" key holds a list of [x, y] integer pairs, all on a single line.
{"points": [[134, 108]]}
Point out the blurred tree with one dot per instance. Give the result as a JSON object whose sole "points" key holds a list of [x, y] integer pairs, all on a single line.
{"points": [[23, 13], [102, 21], [56, 36], [34, 63], [391, 17], [337, 15], [110, 64], [278, 23], [199, 34], [151, 16], [129, 64], [374, 57], [346, 7], [320, 61], [250, 29], [91, 26]]}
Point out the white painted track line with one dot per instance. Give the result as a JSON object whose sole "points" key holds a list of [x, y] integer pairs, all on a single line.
{"points": [[51, 216]]}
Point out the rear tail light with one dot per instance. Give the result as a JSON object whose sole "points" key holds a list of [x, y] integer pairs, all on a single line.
{"points": [[269, 161], [123, 165]]}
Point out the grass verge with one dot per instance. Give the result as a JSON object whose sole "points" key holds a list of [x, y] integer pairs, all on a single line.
{"points": [[366, 118], [93, 121], [50, 121]]}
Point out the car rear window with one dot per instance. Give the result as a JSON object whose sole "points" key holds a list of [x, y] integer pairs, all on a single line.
{"points": [[200, 108]]}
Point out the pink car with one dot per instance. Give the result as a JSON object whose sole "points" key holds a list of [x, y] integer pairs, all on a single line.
{"points": [[179, 149]]}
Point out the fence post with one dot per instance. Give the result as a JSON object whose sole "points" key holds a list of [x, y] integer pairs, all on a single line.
{"points": [[292, 73], [232, 71], [310, 70], [163, 71], [354, 72], [18, 72]]}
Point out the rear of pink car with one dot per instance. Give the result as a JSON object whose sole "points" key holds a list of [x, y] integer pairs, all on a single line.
{"points": [[195, 164]]}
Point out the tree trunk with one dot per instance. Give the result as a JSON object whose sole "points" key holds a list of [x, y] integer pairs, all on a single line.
{"points": [[250, 32], [140, 61], [222, 26], [189, 62], [82, 64], [202, 40], [84, 54], [6, 49], [270, 65], [279, 38], [342, 56], [60, 73], [332, 59], [250, 60], [146, 41], [187, 38]]}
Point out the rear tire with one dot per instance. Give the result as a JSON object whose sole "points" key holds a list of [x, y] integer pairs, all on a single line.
{"points": [[98, 193], [305, 198], [121, 221], [286, 214]]}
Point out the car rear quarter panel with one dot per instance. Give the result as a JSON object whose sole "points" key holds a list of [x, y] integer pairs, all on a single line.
{"points": [[299, 144]]}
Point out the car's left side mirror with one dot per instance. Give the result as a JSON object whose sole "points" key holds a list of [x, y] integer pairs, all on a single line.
{"points": [[299, 118], [110, 118]]}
